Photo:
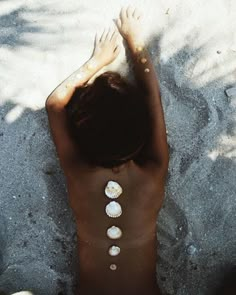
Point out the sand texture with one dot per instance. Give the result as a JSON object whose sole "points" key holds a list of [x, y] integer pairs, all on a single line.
{"points": [[193, 45]]}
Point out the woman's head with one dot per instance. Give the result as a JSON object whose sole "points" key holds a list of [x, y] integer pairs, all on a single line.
{"points": [[108, 120]]}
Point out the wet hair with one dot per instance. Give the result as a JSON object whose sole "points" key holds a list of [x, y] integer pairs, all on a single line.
{"points": [[108, 120]]}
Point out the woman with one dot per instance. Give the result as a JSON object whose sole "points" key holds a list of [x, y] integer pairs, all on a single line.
{"points": [[111, 141]]}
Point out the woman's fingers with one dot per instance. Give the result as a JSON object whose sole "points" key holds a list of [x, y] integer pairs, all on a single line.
{"points": [[118, 23], [108, 38], [115, 40], [140, 16], [136, 14], [108, 35], [96, 39], [114, 35], [103, 36], [129, 11], [117, 50], [123, 14]]}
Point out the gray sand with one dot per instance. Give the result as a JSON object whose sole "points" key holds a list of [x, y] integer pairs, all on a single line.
{"points": [[193, 44]]}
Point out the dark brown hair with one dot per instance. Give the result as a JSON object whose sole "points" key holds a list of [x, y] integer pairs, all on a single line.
{"points": [[108, 120]]}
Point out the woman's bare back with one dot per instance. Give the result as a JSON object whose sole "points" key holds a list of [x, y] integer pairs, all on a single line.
{"points": [[134, 268], [140, 200]]}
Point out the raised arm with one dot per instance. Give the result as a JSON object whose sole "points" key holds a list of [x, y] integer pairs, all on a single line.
{"points": [[105, 51], [129, 25]]}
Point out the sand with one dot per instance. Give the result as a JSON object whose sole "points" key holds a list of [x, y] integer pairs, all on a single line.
{"points": [[193, 45]]}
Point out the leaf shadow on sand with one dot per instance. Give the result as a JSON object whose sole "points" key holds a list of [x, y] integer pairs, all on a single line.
{"points": [[195, 231]]}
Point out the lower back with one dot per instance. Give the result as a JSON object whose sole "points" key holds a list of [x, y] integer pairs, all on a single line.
{"points": [[134, 269]]}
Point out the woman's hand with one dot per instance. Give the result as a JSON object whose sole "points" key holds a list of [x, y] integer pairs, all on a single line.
{"points": [[129, 24], [106, 47]]}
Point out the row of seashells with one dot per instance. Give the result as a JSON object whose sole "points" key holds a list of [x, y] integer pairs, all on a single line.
{"points": [[113, 190]]}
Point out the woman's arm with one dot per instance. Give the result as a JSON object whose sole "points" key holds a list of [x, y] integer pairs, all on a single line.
{"points": [[130, 27], [61, 95], [105, 51]]}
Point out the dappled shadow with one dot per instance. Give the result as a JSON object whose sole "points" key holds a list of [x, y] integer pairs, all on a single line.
{"points": [[196, 225], [32, 26], [38, 236], [196, 222], [14, 26]]}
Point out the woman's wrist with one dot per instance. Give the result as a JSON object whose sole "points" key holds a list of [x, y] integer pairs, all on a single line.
{"points": [[64, 90], [105, 51], [92, 65], [135, 43], [99, 61], [85, 73], [96, 62]]}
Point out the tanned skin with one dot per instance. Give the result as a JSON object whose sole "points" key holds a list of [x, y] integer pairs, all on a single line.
{"points": [[143, 184]]}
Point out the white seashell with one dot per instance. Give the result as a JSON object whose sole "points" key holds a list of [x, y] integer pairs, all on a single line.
{"points": [[114, 232], [113, 209], [113, 266], [113, 190], [114, 250]]}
